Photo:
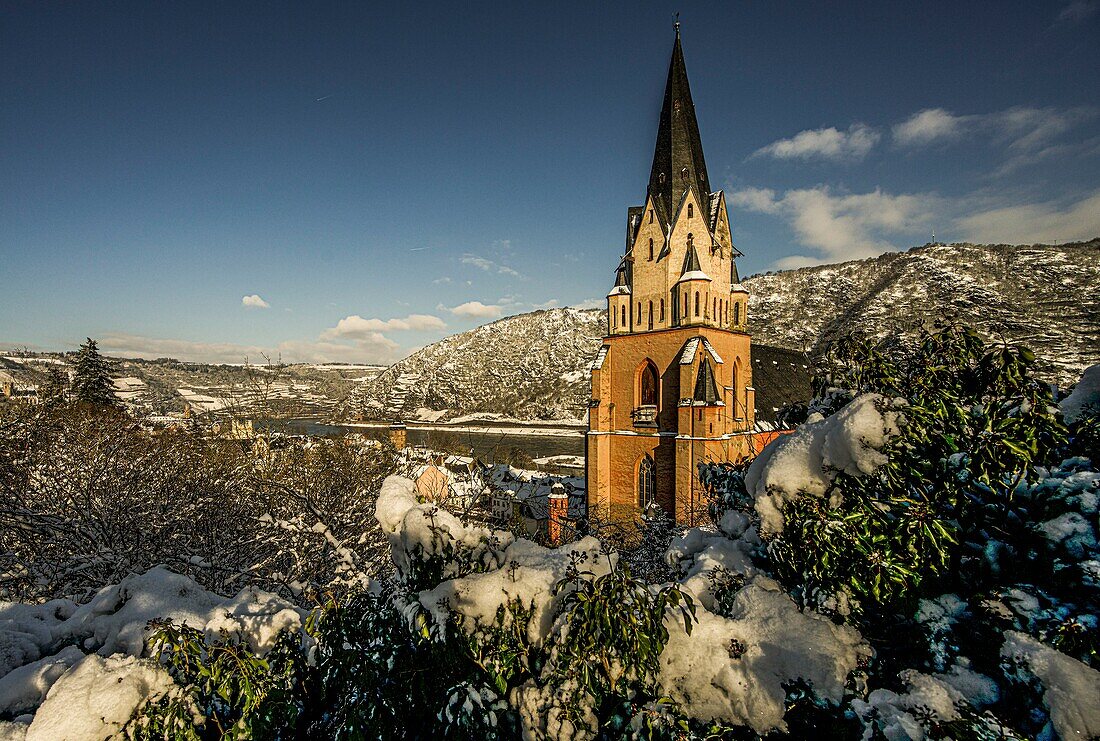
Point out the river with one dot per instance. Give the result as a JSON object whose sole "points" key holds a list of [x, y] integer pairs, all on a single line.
{"points": [[488, 441]]}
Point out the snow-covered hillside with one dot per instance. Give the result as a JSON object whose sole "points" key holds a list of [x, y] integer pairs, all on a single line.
{"points": [[1045, 297], [530, 366], [535, 366]]}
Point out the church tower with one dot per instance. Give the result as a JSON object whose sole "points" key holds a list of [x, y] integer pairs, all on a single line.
{"points": [[672, 383]]}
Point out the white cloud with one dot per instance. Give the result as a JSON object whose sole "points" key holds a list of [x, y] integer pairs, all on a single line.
{"points": [[590, 303], [1021, 129], [1077, 11], [842, 226], [482, 263], [375, 349], [477, 310], [929, 125], [1035, 222], [355, 326], [551, 304], [830, 143], [440, 281], [478, 262], [254, 302]]}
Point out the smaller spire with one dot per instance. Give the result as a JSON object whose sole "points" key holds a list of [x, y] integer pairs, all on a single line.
{"points": [[691, 261], [623, 279], [692, 269], [706, 388], [677, 24]]}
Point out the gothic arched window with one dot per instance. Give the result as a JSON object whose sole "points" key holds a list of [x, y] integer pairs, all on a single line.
{"points": [[696, 303], [662, 310], [647, 386], [691, 210], [624, 316], [651, 315], [647, 488], [651, 249], [737, 313]]}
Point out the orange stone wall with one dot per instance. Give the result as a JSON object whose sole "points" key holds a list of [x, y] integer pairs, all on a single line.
{"points": [[686, 433]]}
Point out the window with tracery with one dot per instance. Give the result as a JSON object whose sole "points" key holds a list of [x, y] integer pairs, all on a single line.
{"points": [[647, 488]]}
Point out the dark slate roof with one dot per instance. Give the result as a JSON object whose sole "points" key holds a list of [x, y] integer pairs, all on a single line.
{"points": [[691, 262], [678, 156], [633, 223], [624, 276], [712, 211], [706, 388], [780, 377]]}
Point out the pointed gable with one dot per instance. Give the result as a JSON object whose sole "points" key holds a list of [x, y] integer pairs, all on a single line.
{"points": [[678, 156]]}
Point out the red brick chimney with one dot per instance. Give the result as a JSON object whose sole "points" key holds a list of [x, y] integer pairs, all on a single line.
{"points": [[558, 509]]}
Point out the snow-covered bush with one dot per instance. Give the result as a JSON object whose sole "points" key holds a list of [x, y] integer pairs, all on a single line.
{"points": [[88, 497], [70, 671], [944, 510]]}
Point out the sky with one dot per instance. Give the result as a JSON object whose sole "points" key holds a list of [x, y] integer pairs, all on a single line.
{"points": [[348, 182]]}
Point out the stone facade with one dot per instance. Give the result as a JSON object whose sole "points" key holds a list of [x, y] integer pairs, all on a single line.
{"points": [[672, 383]]}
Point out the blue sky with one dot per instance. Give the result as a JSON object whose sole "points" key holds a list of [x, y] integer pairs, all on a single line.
{"points": [[343, 182]]}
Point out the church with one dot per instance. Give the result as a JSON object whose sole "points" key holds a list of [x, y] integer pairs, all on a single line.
{"points": [[672, 382]]}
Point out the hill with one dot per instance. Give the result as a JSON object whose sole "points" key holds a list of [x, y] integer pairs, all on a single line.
{"points": [[535, 366], [1044, 296]]}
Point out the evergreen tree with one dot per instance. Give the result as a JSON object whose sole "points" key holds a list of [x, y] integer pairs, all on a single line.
{"points": [[92, 379]]}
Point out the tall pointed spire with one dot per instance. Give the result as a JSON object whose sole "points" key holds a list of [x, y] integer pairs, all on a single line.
{"points": [[678, 157]]}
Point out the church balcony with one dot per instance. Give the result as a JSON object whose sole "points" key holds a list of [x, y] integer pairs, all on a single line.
{"points": [[645, 415]]}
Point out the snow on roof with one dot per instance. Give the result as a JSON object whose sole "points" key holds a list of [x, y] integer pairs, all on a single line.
{"points": [[601, 355], [710, 349], [694, 275], [620, 291], [687, 357], [738, 288]]}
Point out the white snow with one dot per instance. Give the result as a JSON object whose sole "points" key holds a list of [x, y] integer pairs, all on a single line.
{"points": [[94, 699], [781, 644], [937, 697], [114, 620], [420, 531], [805, 462], [1071, 689], [528, 575], [1085, 397], [74, 696], [25, 688]]}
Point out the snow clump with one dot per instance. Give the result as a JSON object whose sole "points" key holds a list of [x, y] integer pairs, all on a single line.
{"points": [[805, 462], [734, 669], [1070, 688], [1085, 397], [96, 698]]}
